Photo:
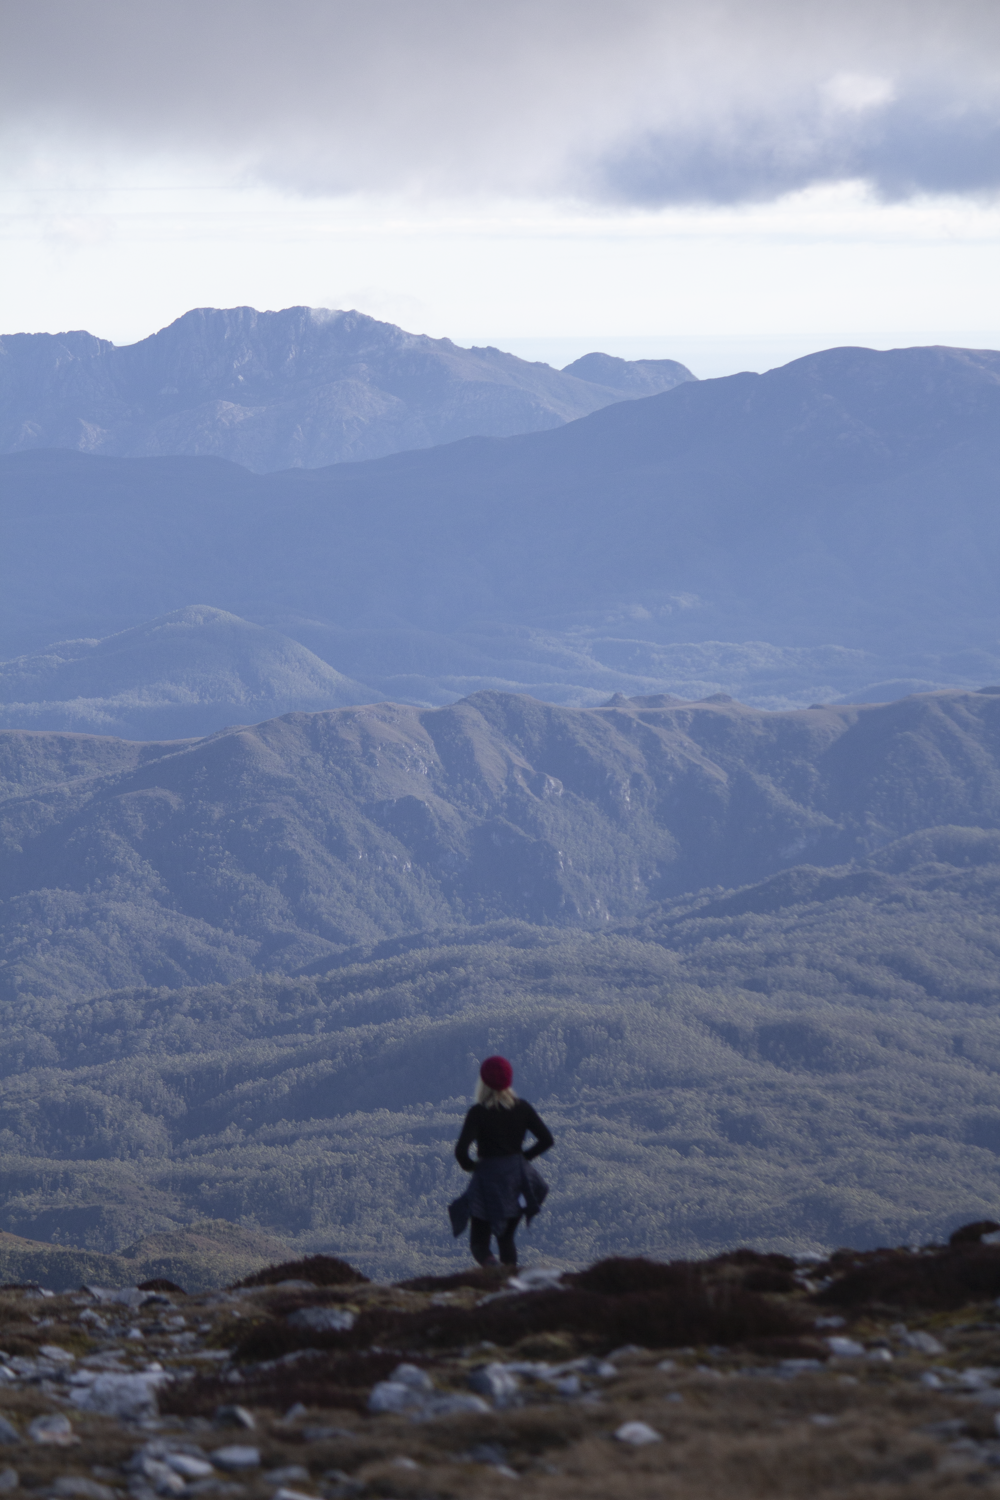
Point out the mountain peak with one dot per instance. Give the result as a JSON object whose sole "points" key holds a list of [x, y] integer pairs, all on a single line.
{"points": [[302, 387]]}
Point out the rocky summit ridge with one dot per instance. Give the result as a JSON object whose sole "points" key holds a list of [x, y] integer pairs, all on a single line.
{"points": [[751, 1373], [301, 387]]}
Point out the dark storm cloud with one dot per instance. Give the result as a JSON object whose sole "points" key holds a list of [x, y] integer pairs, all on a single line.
{"points": [[901, 149], [636, 101]]}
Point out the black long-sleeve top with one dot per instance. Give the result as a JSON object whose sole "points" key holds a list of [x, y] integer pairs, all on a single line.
{"points": [[501, 1132]]}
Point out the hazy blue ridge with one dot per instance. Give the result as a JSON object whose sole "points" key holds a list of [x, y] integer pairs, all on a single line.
{"points": [[300, 387], [825, 531]]}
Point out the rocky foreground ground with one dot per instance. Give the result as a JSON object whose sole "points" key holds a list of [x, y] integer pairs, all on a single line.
{"points": [[874, 1374]]}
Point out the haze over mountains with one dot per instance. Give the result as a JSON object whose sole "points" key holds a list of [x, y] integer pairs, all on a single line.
{"points": [[171, 678], [301, 387], [826, 531]]}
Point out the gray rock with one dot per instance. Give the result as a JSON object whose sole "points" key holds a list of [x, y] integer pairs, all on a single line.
{"points": [[188, 1466], [413, 1376], [236, 1457], [637, 1433], [9, 1480], [392, 1395], [845, 1348], [120, 1395], [322, 1319], [290, 1474], [8, 1432], [454, 1405], [924, 1343], [77, 1487], [495, 1381], [54, 1428], [235, 1416]]}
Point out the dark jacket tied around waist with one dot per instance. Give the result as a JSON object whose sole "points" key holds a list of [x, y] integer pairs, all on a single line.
{"points": [[504, 1183]]}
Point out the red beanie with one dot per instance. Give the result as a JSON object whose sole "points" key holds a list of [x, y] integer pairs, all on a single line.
{"points": [[497, 1074]]}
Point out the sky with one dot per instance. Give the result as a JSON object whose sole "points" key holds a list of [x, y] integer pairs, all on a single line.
{"points": [[731, 184]]}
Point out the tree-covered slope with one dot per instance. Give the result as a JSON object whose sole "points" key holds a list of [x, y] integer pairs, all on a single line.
{"points": [[805, 1062], [273, 848]]}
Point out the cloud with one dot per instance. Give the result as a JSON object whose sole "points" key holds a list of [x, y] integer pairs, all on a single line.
{"points": [[636, 101]]}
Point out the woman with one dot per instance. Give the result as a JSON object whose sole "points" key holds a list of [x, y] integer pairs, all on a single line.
{"points": [[504, 1186]]}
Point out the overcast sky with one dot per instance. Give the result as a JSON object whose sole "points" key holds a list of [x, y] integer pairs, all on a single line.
{"points": [[731, 181]]}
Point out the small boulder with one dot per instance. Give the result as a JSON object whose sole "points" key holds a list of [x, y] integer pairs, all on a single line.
{"points": [[393, 1395], [322, 1319], [924, 1343], [844, 1348], [495, 1381], [234, 1416], [77, 1487], [188, 1466], [637, 1433], [236, 1457], [54, 1429], [120, 1395], [8, 1432]]}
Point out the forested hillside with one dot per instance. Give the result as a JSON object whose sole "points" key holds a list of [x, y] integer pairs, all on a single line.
{"points": [[809, 1061], [276, 848]]}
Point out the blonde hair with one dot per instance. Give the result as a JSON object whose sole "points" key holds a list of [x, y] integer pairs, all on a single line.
{"points": [[492, 1098]]}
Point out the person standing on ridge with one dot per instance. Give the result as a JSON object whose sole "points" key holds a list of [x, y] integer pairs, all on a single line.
{"points": [[504, 1185]]}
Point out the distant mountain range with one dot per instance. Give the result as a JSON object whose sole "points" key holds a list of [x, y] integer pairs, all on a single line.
{"points": [[275, 848], [171, 678], [300, 387], [827, 531]]}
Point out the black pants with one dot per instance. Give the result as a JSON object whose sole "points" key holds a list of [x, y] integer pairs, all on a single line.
{"points": [[479, 1241]]}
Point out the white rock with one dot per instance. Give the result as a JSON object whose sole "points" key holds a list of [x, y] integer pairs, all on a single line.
{"points": [[539, 1280], [496, 1381], [77, 1487], [925, 1343], [283, 1494], [637, 1433], [569, 1385], [454, 1405], [120, 1395], [188, 1466], [844, 1348], [160, 1475], [57, 1354], [932, 1381], [392, 1395], [413, 1376], [55, 1429], [883, 1356], [322, 1319], [235, 1456]]}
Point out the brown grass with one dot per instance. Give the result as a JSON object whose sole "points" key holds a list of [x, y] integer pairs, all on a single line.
{"points": [[948, 1278], [321, 1270]]}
